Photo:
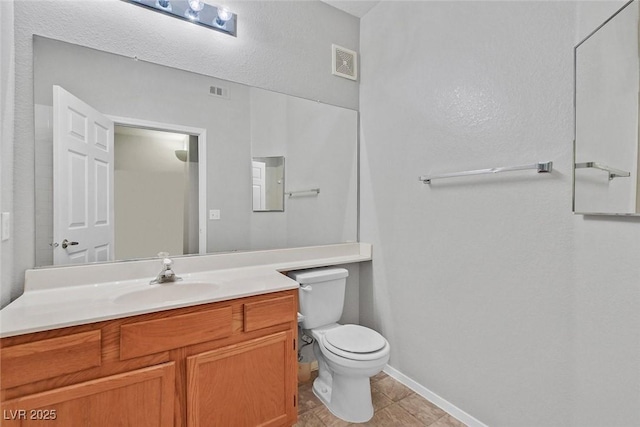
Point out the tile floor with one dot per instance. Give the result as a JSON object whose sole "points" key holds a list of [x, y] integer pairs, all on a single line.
{"points": [[395, 406]]}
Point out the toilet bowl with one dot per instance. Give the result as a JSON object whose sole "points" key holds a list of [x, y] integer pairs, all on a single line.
{"points": [[348, 355], [344, 369]]}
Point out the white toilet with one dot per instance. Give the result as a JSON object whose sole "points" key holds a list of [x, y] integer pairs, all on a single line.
{"points": [[348, 355]]}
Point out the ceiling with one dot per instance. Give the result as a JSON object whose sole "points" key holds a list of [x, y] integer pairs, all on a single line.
{"points": [[356, 8]]}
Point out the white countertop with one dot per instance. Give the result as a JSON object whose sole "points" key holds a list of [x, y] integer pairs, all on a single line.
{"points": [[70, 296]]}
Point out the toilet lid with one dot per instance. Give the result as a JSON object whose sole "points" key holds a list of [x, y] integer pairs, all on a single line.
{"points": [[355, 339]]}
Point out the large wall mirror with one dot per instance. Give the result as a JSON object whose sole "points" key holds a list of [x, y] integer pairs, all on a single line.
{"points": [[606, 150], [134, 158]]}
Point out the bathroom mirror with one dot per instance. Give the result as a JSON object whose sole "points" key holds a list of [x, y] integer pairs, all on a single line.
{"points": [[606, 154], [206, 130], [267, 187]]}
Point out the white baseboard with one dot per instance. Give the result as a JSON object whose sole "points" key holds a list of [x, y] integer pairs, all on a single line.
{"points": [[441, 403]]}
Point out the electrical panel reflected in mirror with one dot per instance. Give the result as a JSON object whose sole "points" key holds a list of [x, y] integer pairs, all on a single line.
{"points": [[606, 154], [267, 186]]}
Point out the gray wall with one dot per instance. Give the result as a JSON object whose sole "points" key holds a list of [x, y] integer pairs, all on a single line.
{"points": [[492, 293], [281, 45], [7, 89]]}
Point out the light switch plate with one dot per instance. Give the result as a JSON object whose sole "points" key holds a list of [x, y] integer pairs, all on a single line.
{"points": [[214, 214]]}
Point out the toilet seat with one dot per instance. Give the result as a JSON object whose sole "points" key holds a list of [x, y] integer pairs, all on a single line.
{"points": [[354, 342]]}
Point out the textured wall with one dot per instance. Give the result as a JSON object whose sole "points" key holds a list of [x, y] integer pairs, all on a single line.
{"points": [[282, 46], [492, 293], [7, 64]]}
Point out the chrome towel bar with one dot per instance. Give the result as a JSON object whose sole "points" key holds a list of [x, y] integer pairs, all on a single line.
{"points": [[310, 192], [540, 167]]}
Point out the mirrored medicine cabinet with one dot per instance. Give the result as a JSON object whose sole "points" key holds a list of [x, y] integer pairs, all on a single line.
{"points": [[606, 152]]}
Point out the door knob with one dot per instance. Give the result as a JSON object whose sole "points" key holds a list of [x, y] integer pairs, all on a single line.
{"points": [[66, 243]]}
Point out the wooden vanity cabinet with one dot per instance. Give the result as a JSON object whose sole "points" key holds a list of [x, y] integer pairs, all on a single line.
{"points": [[230, 363]]}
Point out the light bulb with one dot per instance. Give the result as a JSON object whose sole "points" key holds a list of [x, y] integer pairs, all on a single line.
{"points": [[223, 16], [195, 6]]}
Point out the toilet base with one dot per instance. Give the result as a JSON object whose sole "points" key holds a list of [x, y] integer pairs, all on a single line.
{"points": [[348, 398]]}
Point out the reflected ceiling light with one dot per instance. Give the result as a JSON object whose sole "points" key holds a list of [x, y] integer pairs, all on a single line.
{"points": [[196, 11], [182, 155]]}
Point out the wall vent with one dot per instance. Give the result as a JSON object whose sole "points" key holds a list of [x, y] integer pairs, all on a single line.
{"points": [[219, 92], [344, 62]]}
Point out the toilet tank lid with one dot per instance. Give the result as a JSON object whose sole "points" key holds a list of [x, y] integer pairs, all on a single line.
{"points": [[318, 275]]}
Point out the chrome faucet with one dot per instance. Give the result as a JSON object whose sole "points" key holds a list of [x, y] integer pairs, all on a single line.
{"points": [[166, 274]]}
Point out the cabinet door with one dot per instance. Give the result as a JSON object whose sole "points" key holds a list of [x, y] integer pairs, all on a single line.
{"points": [[141, 398], [248, 384]]}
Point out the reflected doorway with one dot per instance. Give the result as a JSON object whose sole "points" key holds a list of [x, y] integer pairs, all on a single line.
{"points": [[156, 192], [77, 225]]}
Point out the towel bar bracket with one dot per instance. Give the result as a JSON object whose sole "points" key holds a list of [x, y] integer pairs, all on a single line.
{"points": [[613, 172]]}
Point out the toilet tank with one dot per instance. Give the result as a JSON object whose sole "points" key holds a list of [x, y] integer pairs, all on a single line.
{"points": [[321, 295]]}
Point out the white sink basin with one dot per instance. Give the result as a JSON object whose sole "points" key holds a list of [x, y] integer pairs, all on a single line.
{"points": [[167, 293]]}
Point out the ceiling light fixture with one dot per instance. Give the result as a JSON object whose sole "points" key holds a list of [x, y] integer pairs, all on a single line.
{"points": [[196, 11]]}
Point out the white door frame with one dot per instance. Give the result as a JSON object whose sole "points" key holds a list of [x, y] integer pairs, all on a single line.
{"points": [[201, 133]]}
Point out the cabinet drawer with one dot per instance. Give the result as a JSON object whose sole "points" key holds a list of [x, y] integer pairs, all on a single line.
{"points": [[39, 360], [262, 314], [153, 336]]}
